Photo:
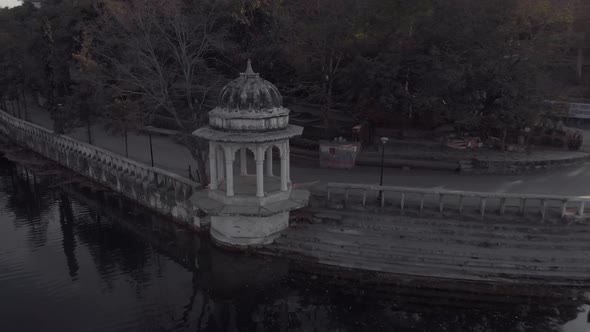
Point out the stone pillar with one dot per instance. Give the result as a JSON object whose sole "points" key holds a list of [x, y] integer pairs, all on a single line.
{"points": [[229, 169], [269, 161], [220, 164], [259, 172], [288, 148], [284, 168], [212, 166], [243, 162]]}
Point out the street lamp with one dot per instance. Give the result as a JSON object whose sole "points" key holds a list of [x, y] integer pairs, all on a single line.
{"points": [[527, 130], [149, 129], [383, 141]]}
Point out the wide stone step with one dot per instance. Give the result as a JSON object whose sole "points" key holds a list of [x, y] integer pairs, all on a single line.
{"points": [[386, 244], [444, 270], [375, 221], [382, 238], [489, 233], [459, 259], [509, 240], [417, 256], [447, 253]]}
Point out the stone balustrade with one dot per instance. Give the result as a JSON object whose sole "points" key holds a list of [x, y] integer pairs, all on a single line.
{"points": [[155, 188], [441, 201]]}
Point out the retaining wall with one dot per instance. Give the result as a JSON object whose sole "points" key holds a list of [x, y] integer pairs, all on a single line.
{"points": [[157, 189]]}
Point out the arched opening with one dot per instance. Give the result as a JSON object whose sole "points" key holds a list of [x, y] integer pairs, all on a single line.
{"points": [[259, 170]]}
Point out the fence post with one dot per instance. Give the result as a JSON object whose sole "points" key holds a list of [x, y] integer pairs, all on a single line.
{"points": [[563, 208], [402, 203], [440, 203], [502, 206], [543, 209], [482, 206], [460, 205], [581, 209], [421, 204], [522, 205]]}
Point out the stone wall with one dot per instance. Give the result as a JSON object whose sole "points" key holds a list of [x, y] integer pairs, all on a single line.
{"points": [[157, 189], [517, 166]]}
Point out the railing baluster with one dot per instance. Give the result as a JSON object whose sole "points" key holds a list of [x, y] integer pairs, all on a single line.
{"points": [[401, 203], [502, 206], [563, 208], [421, 204]]}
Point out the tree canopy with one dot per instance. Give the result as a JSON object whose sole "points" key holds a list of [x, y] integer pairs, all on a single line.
{"points": [[479, 65]]}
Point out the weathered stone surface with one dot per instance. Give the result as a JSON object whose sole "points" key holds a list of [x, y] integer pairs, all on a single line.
{"points": [[247, 231], [443, 248], [250, 92], [157, 189], [252, 211]]}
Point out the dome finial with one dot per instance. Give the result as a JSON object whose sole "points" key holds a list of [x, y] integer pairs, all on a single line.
{"points": [[249, 71]]}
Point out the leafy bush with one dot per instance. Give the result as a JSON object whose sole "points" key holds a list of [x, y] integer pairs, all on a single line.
{"points": [[575, 140]]}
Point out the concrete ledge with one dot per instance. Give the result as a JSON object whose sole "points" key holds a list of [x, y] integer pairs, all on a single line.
{"points": [[246, 231], [249, 200]]}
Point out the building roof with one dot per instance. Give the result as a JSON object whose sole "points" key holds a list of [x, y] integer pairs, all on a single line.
{"points": [[250, 92]]}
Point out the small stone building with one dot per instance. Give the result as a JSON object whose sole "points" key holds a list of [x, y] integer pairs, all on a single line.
{"points": [[250, 127]]}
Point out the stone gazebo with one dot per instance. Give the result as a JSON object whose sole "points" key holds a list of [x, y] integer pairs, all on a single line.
{"points": [[250, 127]]}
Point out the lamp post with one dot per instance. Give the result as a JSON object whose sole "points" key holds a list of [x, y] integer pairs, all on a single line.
{"points": [[149, 128], [527, 131], [383, 141]]}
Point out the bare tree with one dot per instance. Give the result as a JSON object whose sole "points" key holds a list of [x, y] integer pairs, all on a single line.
{"points": [[318, 34], [154, 52]]}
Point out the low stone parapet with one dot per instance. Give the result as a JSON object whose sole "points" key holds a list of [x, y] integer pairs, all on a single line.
{"points": [[160, 190], [420, 201]]}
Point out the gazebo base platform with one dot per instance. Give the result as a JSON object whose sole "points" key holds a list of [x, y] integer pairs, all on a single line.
{"points": [[248, 231], [254, 225]]}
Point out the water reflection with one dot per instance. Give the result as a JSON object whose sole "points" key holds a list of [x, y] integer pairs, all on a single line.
{"points": [[75, 259]]}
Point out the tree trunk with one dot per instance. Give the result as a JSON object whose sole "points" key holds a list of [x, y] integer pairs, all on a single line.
{"points": [[579, 64], [200, 156], [25, 104], [18, 105], [88, 131], [126, 144]]}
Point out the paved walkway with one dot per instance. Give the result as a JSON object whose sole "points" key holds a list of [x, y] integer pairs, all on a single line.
{"points": [[176, 158], [402, 150]]}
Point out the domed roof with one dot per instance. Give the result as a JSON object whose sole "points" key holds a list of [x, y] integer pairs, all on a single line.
{"points": [[250, 92]]}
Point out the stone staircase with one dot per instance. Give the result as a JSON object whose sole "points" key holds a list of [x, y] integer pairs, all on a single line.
{"points": [[458, 250]]}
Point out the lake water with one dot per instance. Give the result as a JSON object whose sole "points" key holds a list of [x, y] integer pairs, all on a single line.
{"points": [[72, 259]]}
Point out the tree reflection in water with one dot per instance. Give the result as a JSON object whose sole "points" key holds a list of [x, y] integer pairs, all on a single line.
{"points": [[26, 200], [137, 252]]}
